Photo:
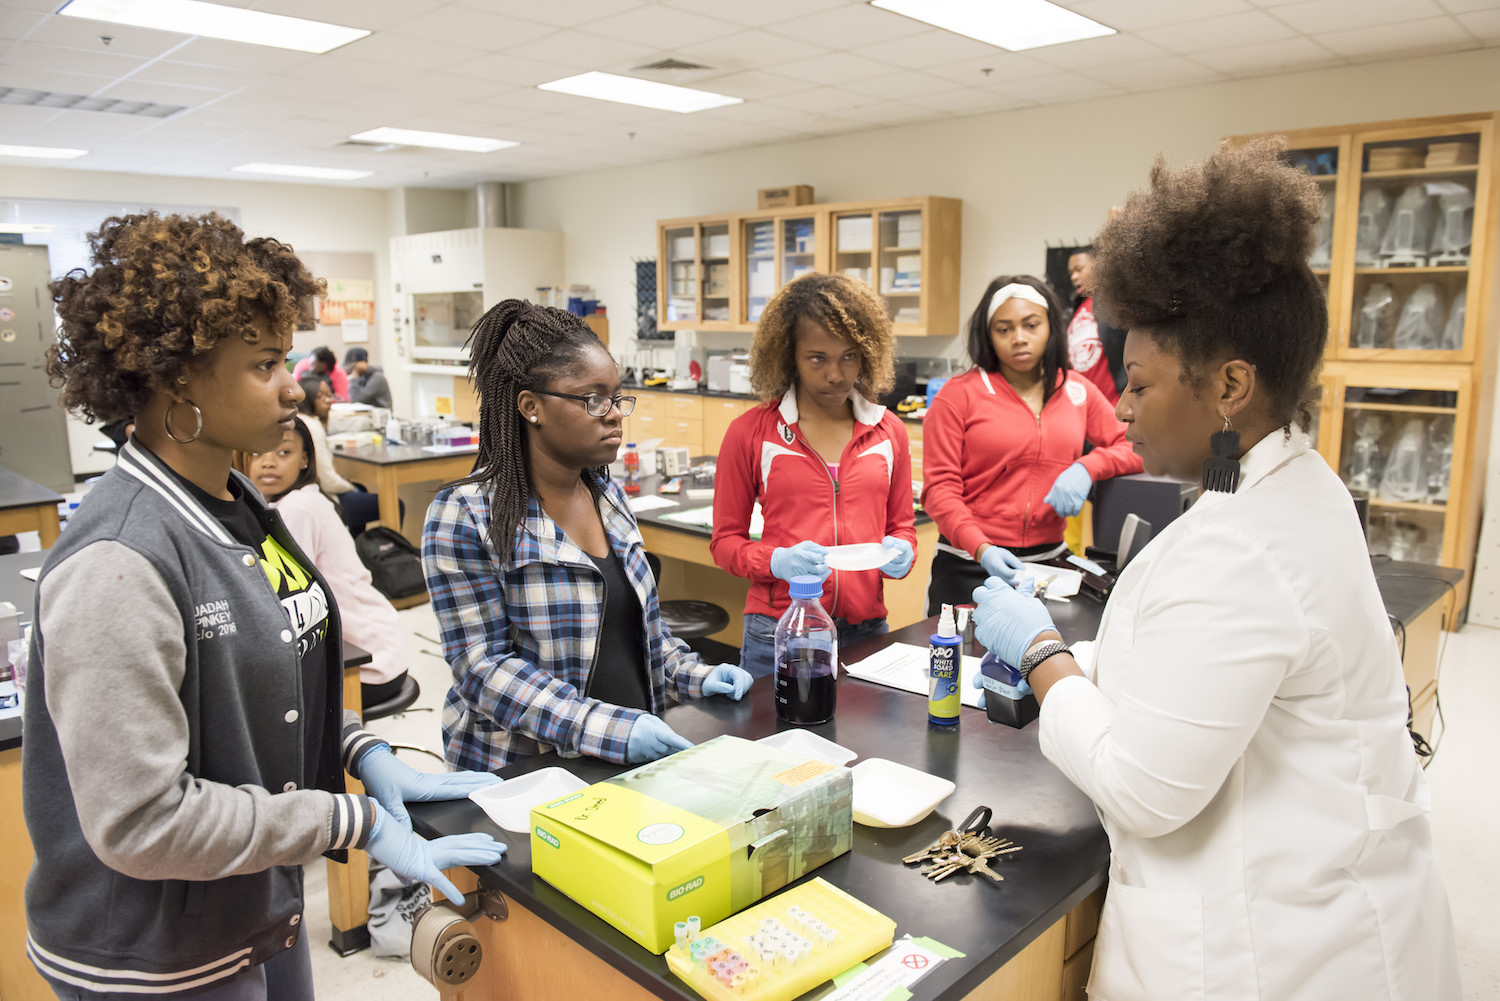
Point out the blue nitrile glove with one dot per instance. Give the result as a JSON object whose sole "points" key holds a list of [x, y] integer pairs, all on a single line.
{"points": [[726, 679], [394, 783], [1007, 620], [417, 859], [998, 561], [898, 565], [1069, 490], [650, 739], [805, 558]]}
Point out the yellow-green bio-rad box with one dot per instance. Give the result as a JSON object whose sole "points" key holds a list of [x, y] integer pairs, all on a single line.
{"points": [[706, 831]]}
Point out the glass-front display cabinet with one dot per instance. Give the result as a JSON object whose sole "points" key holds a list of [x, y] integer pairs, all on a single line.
{"points": [[776, 250], [695, 274]]}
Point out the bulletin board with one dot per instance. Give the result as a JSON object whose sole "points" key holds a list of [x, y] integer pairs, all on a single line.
{"points": [[346, 315]]}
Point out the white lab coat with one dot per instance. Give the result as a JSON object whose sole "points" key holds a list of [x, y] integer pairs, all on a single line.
{"points": [[1246, 747]]}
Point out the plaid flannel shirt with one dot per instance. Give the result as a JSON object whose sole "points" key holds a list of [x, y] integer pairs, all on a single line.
{"points": [[522, 636]]}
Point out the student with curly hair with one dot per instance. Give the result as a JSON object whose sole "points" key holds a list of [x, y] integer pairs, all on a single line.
{"points": [[1244, 737], [826, 463], [178, 774], [537, 570], [1003, 445]]}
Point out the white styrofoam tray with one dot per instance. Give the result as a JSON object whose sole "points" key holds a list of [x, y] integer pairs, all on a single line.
{"points": [[888, 794], [810, 744], [509, 803]]}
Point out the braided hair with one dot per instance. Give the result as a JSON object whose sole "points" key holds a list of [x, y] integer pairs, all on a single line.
{"points": [[516, 346]]}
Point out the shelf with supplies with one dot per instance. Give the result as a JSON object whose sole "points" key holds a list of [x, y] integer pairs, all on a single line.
{"points": [[907, 249], [1405, 252]]}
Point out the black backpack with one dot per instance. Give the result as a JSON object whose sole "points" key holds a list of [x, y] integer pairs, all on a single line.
{"points": [[394, 563]]}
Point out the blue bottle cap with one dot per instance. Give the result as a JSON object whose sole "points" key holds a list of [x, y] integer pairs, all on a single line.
{"points": [[806, 586]]}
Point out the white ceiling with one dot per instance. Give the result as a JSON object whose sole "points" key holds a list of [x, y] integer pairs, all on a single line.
{"points": [[804, 68]]}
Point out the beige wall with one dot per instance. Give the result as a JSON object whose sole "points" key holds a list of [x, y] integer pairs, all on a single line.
{"points": [[1025, 177]]}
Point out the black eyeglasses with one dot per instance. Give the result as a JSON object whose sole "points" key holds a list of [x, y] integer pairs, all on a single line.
{"points": [[594, 404]]}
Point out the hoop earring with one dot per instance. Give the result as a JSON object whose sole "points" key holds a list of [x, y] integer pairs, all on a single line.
{"points": [[167, 421]]}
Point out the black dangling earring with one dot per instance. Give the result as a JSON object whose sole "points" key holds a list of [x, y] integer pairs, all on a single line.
{"points": [[1221, 471]]}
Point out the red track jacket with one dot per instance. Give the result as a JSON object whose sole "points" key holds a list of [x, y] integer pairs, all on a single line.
{"points": [[765, 458], [987, 460]]}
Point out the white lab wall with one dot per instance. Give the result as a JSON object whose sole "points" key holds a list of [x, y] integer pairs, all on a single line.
{"points": [[309, 217]]}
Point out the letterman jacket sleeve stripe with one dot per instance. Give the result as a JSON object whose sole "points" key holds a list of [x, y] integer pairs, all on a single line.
{"points": [[351, 823], [357, 742]]}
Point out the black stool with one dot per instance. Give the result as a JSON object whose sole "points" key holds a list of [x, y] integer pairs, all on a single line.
{"points": [[689, 619], [409, 692]]}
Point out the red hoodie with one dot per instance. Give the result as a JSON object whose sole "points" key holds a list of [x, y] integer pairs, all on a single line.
{"points": [[765, 458], [987, 460]]}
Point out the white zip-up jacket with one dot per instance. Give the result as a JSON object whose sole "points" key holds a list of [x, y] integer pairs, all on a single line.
{"points": [[1246, 747]]}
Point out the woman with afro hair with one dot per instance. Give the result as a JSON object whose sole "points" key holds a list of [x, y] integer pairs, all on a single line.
{"points": [[826, 463], [185, 738], [1244, 732]]}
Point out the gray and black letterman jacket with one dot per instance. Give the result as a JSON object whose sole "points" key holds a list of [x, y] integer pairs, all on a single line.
{"points": [[164, 757]]}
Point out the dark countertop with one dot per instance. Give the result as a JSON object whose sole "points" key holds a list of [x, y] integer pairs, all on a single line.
{"points": [[17, 491], [1409, 589], [1065, 852], [391, 455], [724, 394]]}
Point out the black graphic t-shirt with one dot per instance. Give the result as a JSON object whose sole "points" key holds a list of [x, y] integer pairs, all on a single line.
{"points": [[302, 599], [620, 674]]}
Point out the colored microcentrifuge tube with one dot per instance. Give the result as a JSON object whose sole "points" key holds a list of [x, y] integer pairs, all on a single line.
{"points": [[694, 926], [679, 932], [738, 981]]}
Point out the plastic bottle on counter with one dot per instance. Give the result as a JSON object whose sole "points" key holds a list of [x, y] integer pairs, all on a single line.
{"points": [[807, 656], [632, 463], [944, 657]]}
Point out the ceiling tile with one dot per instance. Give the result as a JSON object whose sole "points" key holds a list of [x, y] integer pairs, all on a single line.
{"points": [[758, 14], [80, 34], [851, 25], [1264, 58], [69, 60], [920, 50], [338, 90], [1469, 6], [1390, 38], [888, 113], [998, 67], [838, 67], [1048, 88], [1218, 32], [1088, 53], [900, 85], [751, 84], [258, 58], [585, 52], [1133, 15], [563, 15], [188, 75], [1484, 25], [819, 99], [660, 27], [506, 68], [1321, 16], [1172, 71], [16, 23], [751, 48], [347, 70], [35, 78], [401, 53], [159, 93], [970, 101], [478, 29]]}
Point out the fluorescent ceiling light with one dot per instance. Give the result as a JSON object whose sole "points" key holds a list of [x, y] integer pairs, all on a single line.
{"points": [[211, 20], [1010, 24], [293, 170], [24, 227], [43, 152], [645, 93], [435, 140]]}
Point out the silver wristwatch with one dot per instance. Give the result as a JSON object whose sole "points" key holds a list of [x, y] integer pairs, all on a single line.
{"points": [[1039, 653]]}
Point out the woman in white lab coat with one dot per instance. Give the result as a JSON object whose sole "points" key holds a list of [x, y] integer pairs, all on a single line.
{"points": [[1244, 736]]}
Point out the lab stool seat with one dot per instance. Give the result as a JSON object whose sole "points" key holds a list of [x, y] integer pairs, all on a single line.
{"points": [[688, 619], [409, 692]]}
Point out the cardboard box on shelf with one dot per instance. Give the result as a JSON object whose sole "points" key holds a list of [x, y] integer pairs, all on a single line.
{"points": [[705, 831], [775, 198]]}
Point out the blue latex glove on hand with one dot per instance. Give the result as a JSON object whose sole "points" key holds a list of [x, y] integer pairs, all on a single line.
{"points": [[394, 783], [416, 859], [726, 679], [1000, 562], [650, 739], [1007, 620], [899, 564], [803, 559], [1069, 490]]}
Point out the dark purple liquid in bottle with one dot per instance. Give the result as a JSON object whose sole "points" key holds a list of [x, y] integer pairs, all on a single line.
{"points": [[806, 690]]}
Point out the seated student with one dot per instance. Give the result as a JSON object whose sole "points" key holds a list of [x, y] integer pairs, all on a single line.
{"points": [[536, 567], [321, 362], [288, 477], [359, 506], [367, 383]]}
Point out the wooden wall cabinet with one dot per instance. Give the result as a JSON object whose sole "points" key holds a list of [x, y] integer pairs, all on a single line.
{"points": [[718, 272], [694, 422], [1406, 255]]}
